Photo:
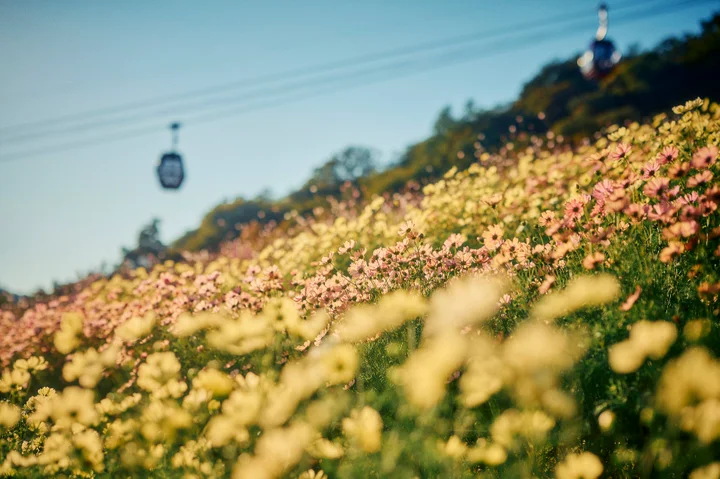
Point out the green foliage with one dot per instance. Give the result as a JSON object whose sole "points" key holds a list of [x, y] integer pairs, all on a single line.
{"points": [[224, 221], [642, 85]]}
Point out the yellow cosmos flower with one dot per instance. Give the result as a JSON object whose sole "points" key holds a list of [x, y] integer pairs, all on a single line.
{"points": [[9, 414], [365, 428], [585, 465]]}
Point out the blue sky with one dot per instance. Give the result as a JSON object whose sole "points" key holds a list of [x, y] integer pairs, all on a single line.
{"points": [[66, 212]]}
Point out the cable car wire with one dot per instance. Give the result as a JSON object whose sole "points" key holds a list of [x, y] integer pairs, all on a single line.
{"points": [[223, 101], [88, 121], [473, 54], [443, 60]]}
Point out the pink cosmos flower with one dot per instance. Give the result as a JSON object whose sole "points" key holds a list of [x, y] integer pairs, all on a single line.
{"points": [[705, 157], [713, 193], [347, 246], [688, 228], [668, 155], [546, 218], [406, 228], [681, 229], [630, 301], [603, 189], [656, 187], [574, 209], [649, 169], [690, 198], [553, 228], [672, 251], [621, 151], [593, 260], [454, 241], [493, 237], [493, 199], [327, 259], [464, 259], [700, 179], [506, 298], [618, 200], [546, 284], [679, 170], [232, 299], [598, 211], [357, 268], [662, 212], [708, 206], [690, 212]]}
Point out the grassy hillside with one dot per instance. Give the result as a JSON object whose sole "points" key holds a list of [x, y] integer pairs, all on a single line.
{"points": [[553, 314], [558, 101]]}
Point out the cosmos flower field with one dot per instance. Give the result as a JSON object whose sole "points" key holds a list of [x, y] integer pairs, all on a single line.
{"points": [[549, 312]]}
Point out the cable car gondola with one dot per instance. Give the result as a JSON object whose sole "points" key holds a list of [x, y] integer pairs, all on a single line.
{"points": [[602, 56], [170, 169]]}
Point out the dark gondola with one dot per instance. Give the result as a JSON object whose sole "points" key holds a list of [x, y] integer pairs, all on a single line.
{"points": [[602, 56], [170, 170]]}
